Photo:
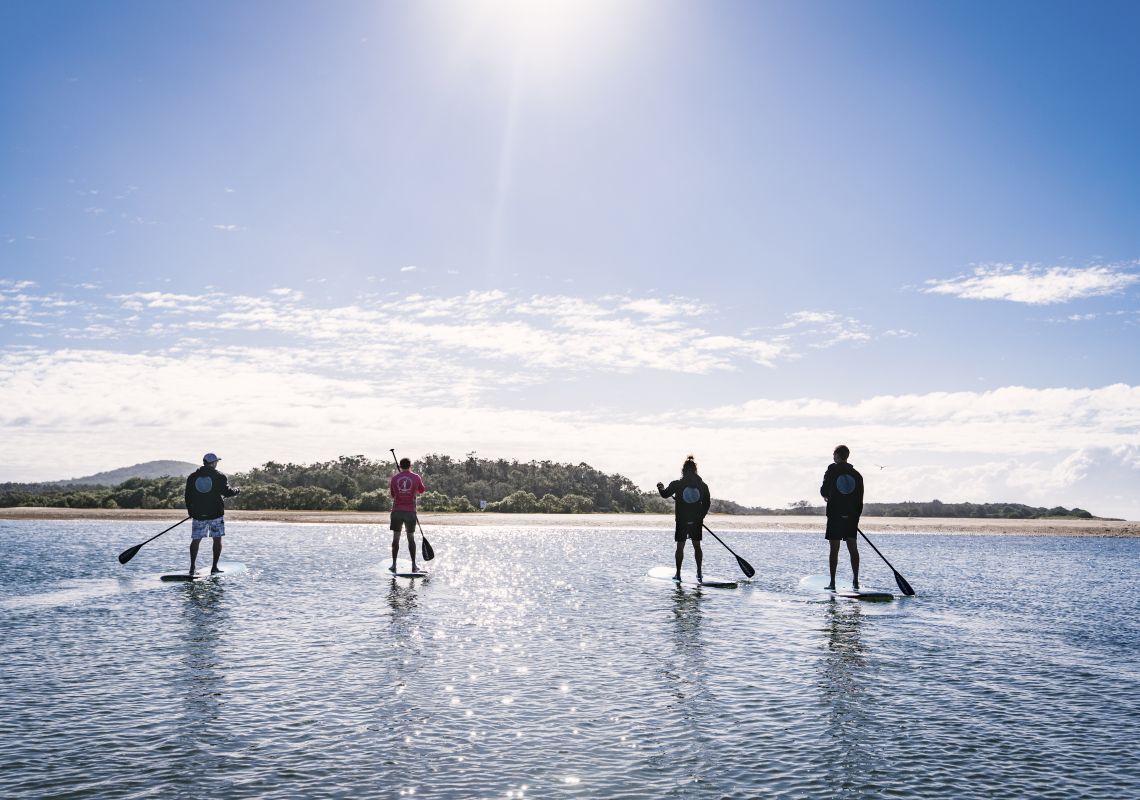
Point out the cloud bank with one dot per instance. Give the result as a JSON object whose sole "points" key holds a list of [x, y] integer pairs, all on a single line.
{"points": [[70, 412], [1036, 285], [91, 382]]}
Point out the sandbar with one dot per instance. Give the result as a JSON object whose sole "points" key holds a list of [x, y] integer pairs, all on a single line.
{"points": [[717, 522]]}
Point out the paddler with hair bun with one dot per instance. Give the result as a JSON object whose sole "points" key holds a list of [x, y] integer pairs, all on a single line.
{"points": [[691, 502], [843, 490]]}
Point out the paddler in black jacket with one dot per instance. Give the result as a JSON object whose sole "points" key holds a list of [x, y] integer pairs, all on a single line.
{"points": [[205, 489], [691, 502], [843, 490]]}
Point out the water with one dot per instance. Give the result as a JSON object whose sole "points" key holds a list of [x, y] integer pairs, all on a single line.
{"points": [[542, 663]]}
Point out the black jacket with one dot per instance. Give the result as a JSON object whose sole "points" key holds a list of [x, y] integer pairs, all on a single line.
{"points": [[205, 489], [691, 498], [843, 490]]}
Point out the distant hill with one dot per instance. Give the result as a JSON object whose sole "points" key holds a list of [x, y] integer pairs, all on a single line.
{"points": [[149, 469]]}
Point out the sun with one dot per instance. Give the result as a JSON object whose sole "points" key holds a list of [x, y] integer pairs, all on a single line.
{"points": [[545, 34]]}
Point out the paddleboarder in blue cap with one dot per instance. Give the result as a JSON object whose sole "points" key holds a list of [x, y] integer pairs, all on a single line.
{"points": [[843, 490], [205, 489]]}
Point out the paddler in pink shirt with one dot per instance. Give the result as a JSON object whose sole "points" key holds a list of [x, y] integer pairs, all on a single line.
{"points": [[405, 486]]}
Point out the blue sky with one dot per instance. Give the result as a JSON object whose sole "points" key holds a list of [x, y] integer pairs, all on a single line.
{"points": [[611, 232]]}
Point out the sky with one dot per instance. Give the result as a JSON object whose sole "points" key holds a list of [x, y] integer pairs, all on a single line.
{"points": [[612, 232]]}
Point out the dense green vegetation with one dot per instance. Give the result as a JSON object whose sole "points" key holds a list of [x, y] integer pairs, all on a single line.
{"points": [[359, 483]]}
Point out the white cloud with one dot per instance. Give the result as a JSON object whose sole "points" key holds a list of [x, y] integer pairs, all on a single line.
{"points": [[228, 228], [809, 318], [409, 268], [1036, 285], [659, 309], [543, 333]]}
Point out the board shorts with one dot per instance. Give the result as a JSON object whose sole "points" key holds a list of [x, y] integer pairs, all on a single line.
{"points": [[405, 519], [688, 530], [842, 528], [214, 528]]}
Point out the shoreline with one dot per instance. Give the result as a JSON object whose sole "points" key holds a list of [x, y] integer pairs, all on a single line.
{"points": [[718, 522]]}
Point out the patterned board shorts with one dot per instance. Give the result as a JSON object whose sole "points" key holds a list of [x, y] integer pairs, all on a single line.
{"points": [[214, 528]]}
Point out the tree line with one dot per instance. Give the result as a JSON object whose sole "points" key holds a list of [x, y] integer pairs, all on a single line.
{"points": [[469, 484]]}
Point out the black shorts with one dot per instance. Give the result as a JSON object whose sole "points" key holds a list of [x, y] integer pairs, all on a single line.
{"points": [[405, 519], [842, 528], [688, 530]]}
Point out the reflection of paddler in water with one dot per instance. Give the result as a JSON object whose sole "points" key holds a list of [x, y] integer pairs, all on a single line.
{"points": [[843, 490], [688, 669], [206, 619], [403, 622], [843, 683], [691, 503], [405, 486]]}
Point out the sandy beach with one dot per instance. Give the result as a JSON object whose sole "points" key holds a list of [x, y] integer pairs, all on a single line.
{"points": [[717, 522]]}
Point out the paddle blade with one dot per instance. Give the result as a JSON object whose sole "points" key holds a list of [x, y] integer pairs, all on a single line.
{"points": [[745, 567], [904, 587], [429, 553], [129, 553]]}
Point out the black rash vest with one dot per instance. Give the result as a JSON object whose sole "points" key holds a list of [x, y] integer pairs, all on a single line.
{"points": [[692, 498]]}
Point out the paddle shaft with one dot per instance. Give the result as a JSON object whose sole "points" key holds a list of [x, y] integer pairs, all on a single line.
{"points": [[745, 567], [129, 553], [429, 551], [899, 579]]}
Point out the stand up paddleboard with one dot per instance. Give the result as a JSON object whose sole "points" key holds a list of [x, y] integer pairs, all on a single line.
{"points": [[226, 567], [690, 578], [818, 583], [403, 570]]}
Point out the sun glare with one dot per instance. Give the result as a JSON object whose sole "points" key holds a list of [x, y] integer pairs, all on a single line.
{"points": [[546, 34]]}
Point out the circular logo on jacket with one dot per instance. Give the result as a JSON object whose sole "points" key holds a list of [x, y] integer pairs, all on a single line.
{"points": [[845, 484], [404, 485], [691, 494], [204, 483]]}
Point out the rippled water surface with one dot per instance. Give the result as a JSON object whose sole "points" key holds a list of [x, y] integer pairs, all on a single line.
{"points": [[544, 663]]}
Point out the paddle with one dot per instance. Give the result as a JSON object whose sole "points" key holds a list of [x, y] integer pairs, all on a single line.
{"points": [[745, 567], [904, 587], [429, 553], [130, 552]]}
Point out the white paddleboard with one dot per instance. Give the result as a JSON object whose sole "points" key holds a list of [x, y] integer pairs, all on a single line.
{"points": [[689, 578], [226, 567], [403, 570], [818, 583]]}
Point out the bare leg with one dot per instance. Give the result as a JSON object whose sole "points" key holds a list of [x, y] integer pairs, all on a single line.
{"points": [[679, 557], [699, 555], [395, 549], [217, 553], [833, 560], [194, 553], [853, 550], [412, 548]]}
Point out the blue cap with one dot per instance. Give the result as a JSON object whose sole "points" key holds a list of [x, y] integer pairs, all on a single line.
{"points": [[210, 458]]}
